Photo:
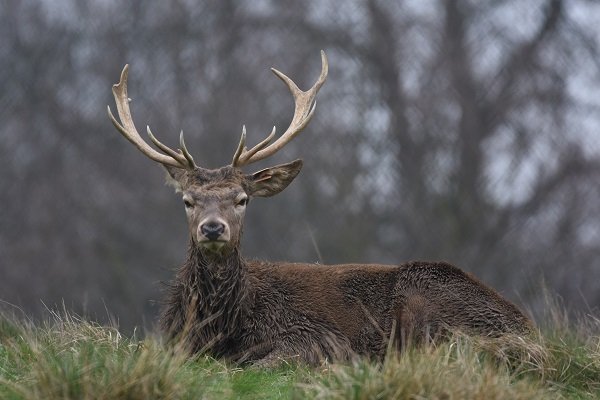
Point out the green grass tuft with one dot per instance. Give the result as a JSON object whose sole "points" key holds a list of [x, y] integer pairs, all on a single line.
{"points": [[71, 358], [462, 368]]}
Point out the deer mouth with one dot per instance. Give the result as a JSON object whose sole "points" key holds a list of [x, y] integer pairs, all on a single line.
{"points": [[214, 246]]}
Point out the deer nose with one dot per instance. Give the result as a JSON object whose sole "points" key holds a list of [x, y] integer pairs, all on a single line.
{"points": [[212, 230]]}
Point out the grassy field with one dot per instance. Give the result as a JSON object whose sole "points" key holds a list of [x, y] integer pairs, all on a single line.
{"points": [[71, 358]]}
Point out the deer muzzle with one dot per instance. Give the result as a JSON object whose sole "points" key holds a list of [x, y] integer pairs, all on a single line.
{"points": [[213, 234]]}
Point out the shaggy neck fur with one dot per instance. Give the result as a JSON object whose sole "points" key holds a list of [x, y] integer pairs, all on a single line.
{"points": [[206, 301]]}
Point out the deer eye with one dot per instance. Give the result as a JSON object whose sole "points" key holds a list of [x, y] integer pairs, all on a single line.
{"points": [[188, 203], [242, 201]]}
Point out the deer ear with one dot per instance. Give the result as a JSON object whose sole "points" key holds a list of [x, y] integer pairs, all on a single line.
{"points": [[174, 177], [270, 181]]}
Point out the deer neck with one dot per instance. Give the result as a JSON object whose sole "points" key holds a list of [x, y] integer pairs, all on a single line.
{"points": [[216, 274], [218, 286]]}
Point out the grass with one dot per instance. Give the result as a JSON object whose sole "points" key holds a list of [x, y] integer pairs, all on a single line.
{"points": [[71, 358], [68, 357]]}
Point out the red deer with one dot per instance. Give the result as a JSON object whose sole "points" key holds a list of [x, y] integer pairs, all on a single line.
{"points": [[263, 312]]}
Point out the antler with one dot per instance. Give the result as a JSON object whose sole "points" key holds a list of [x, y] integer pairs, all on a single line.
{"points": [[304, 109], [178, 159]]}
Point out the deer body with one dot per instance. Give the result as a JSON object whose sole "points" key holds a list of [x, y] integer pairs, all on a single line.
{"points": [[314, 312], [265, 312]]}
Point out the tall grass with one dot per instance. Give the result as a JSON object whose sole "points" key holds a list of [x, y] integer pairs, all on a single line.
{"points": [[561, 361], [71, 358], [68, 357], [459, 369]]}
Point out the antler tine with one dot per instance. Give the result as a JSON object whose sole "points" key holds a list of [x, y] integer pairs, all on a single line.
{"points": [[164, 148], [128, 130], [185, 151], [241, 149], [304, 109]]}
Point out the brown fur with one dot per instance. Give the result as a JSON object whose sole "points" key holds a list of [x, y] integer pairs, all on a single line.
{"points": [[264, 312]]}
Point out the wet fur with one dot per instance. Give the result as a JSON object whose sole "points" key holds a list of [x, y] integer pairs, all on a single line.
{"points": [[264, 313]]}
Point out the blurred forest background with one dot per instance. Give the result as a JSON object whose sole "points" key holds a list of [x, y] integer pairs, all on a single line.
{"points": [[459, 130]]}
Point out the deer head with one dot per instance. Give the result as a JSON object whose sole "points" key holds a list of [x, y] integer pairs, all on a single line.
{"points": [[215, 199]]}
